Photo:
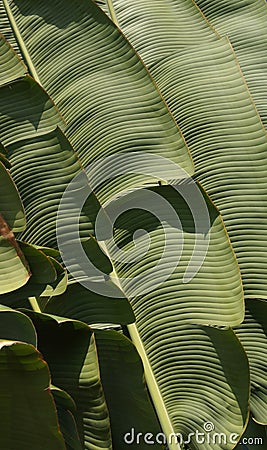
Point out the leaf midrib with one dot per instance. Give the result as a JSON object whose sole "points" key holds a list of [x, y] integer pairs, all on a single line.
{"points": [[21, 43]]}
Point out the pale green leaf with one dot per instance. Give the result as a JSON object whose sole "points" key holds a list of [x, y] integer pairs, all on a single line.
{"points": [[14, 271], [48, 279], [42, 268]]}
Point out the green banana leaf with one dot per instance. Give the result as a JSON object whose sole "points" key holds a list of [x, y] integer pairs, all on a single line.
{"points": [[205, 80], [121, 368], [27, 413], [68, 346], [10, 203], [199, 382], [121, 87], [8, 32], [112, 70], [16, 326], [205, 90], [68, 428], [32, 147], [48, 277], [79, 303], [154, 309], [228, 145], [253, 336], [156, 29], [228, 288], [10, 128], [38, 140], [245, 23], [15, 271], [157, 282], [65, 409], [11, 66]]}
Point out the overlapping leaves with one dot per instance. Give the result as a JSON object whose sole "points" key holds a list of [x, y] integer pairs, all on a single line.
{"points": [[110, 105]]}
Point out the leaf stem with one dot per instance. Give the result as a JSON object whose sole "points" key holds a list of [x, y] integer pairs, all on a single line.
{"points": [[112, 13], [21, 42], [151, 381], [34, 304], [154, 391]]}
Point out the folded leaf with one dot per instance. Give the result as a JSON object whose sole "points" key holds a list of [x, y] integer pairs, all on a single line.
{"points": [[41, 266], [48, 278], [69, 348], [14, 268], [11, 206], [16, 326], [69, 429], [121, 368], [27, 414], [80, 303]]}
